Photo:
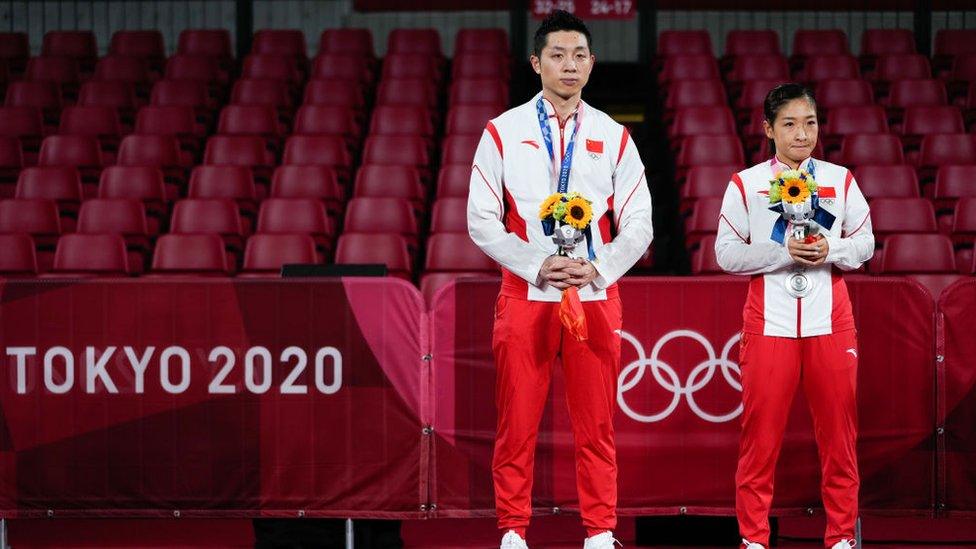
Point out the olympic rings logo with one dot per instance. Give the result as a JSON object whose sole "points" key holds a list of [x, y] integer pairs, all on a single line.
{"points": [[668, 378]]}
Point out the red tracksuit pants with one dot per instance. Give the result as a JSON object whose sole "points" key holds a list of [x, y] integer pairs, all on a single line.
{"points": [[527, 338], [772, 369]]}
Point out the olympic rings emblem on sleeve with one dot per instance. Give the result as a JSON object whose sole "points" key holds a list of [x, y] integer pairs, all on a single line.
{"points": [[668, 378]]}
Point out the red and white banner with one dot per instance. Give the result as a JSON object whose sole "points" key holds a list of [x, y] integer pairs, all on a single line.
{"points": [[348, 398], [679, 396], [587, 9]]}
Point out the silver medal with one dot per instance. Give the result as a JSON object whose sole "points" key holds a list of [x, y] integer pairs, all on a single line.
{"points": [[798, 284]]}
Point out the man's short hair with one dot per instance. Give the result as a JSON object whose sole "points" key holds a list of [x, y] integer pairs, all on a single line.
{"points": [[559, 20]]}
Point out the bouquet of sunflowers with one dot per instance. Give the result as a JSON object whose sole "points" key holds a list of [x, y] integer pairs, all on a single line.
{"points": [[793, 194], [566, 218]]}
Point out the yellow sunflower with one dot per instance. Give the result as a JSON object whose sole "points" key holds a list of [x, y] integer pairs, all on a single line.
{"points": [[578, 213], [548, 205], [795, 191]]}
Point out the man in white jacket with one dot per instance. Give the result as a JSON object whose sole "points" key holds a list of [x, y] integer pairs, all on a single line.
{"points": [[555, 142], [792, 337]]}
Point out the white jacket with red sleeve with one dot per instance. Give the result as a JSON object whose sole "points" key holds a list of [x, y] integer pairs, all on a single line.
{"points": [[744, 245], [512, 175]]}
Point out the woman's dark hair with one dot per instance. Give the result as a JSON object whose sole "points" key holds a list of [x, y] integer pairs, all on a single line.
{"points": [[559, 20], [783, 94]]}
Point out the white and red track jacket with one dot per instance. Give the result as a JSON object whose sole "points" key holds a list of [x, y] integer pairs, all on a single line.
{"points": [[744, 246], [512, 175]]}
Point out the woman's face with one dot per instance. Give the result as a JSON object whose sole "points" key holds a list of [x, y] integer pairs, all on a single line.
{"points": [[795, 130]]}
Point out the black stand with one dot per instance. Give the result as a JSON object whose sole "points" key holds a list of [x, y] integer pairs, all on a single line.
{"points": [[693, 531]]}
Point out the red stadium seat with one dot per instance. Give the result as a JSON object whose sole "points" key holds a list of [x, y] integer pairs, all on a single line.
{"points": [[36, 217], [703, 260], [705, 181], [695, 93], [395, 150], [120, 96], [833, 93], [402, 182], [328, 120], [823, 67], [872, 148], [751, 42], [933, 120], [17, 256], [297, 216], [252, 91], [145, 44], [59, 183], [124, 68], [456, 252], [213, 43], [382, 249], [143, 183], [388, 120], [459, 149], [382, 215], [480, 65], [11, 161], [15, 48], [481, 41], [23, 123], [449, 216], [265, 254], [954, 182], [180, 93], [759, 67], [754, 93], [852, 120], [121, 216], [470, 119], [964, 68], [152, 150], [259, 120], [809, 42], [408, 91], [478, 92], [287, 42], [453, 181], [918, 253], [947, 149], [902, 67], [963, 221], [271, 67], [100, 122], [319, 150], [917, 93], [209, 216], [240, 150], [333, 66], [710, 150], [689, 67], [178, 121], [902, 215], [887, 181], [414, 41], [875, 42], [42, 95], [61, 71], [197, 68], [225, 182], [703, 220], [407, 65], [701, 121], [953, 42], [318, 182], [684, 42], [90, 255], [80, 151], [357, 42], [335, 93], [190, 254], [77, 45]]}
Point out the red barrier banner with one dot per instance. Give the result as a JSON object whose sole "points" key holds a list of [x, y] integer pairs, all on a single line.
{"points": [[957, 409], [212, 398], [679, 401]]}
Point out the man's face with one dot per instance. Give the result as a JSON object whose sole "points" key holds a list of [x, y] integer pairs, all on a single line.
{"points": [[565, 63], [795, 130]]}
